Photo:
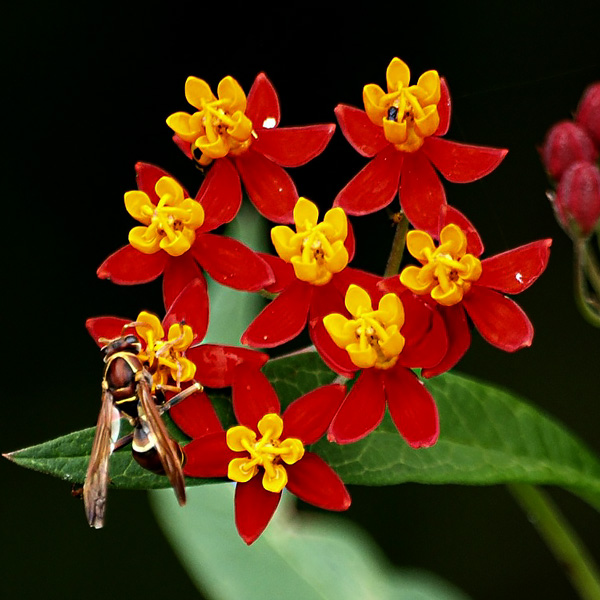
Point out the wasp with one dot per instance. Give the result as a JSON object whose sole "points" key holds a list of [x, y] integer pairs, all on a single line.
{"points": [[127, 392]]}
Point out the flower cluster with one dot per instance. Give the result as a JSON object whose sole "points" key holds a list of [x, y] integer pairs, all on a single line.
{"points": [[373, 331]]}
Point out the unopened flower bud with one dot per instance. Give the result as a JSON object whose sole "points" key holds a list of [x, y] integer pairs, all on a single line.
{"points": [[577, 199], [566, 143], [588, 112]]}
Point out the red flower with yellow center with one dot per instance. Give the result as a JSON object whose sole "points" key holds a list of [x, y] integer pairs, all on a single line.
{"points": [[240, 138], [401, 130], [266, 452], [384, 344], [174, 239], [456, 283]]}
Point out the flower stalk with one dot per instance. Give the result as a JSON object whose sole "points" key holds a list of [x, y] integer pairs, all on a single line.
{"points": [[398, 243]]}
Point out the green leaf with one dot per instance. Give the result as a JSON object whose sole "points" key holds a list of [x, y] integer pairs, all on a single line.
{"points": [[298, 557]]}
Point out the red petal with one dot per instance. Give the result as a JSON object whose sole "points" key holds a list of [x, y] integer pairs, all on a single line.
{"points": [[367, 281], [459, 339], [515, 270], [452, 215], [462, 163], [422, 195], [179, 272], [444, 108], [147, 175], [128, 266], [231, 263], [262, 102], [215, 364], [412, 407], [191, 308], [364, 136], [269, 187], [105, 328], [315, 482], [282, 319], [499, 320], [374, 187], [185, 147], [293, 146], [252, 396], [208, 456], [361, 411], [350, 242], [254, 507], [195, 416], [283, 273], [220, 195], [309, 417]]}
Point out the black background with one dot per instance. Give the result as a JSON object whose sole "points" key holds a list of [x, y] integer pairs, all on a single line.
{"points": [[87, 88]]}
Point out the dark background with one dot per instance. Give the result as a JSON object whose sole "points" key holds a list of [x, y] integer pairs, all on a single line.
{"points": [[87, 88]]}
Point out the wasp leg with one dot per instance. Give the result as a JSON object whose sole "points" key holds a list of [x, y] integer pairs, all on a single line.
{"points": [[126, 439], [196, 387]]}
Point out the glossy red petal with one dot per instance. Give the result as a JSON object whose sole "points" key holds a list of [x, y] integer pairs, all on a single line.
{"points": [[412, 407], [368, 281], [462, 163], [422, 195], [195, 416], [459, 339], [444, 108], [515, 270], [309, 417], [270, 188], [208, 456], [350, 242], [452, 215], [365, 137], [282, 319], [283, 273], [190, 307], [220, 195], [128, 266], [215, 364], [231, 263], [315, 482], [179, 272], [254, 507], [146, 176], [362, 410], [105, 328], [499, 320], [374, 187], [293, 146], [263, 104], [252, 396]]}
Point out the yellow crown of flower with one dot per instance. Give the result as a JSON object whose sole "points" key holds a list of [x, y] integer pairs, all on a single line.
{"points": [[372, 338], [447, 271], [316, 250], [408, 114]]}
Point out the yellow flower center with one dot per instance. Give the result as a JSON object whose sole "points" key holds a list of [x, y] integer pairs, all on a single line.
{"points": [[372, 338], [170, 225], [219, 127], [447, 271], [407, 113], [165, 358], [266, 452], [316, 250]]}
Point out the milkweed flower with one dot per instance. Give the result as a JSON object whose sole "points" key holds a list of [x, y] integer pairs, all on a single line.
{"points": [[384, 344], [174, 239], [453, 279], [267, 451], [240, 138], [311, 277], [401, 131]]}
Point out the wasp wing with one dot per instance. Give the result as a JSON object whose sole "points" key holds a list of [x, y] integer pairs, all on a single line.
{"points": [[166, 448], [96, 479]]}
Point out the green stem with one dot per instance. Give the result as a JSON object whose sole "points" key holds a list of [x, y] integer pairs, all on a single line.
{"points": [[588, 307], [560, 538], [397, 251]]}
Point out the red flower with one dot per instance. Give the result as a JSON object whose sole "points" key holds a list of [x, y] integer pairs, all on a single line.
{"points": [[175, 239], [457, 283], [385, 344], [247, 139], [401, 131], [274, 446]]}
